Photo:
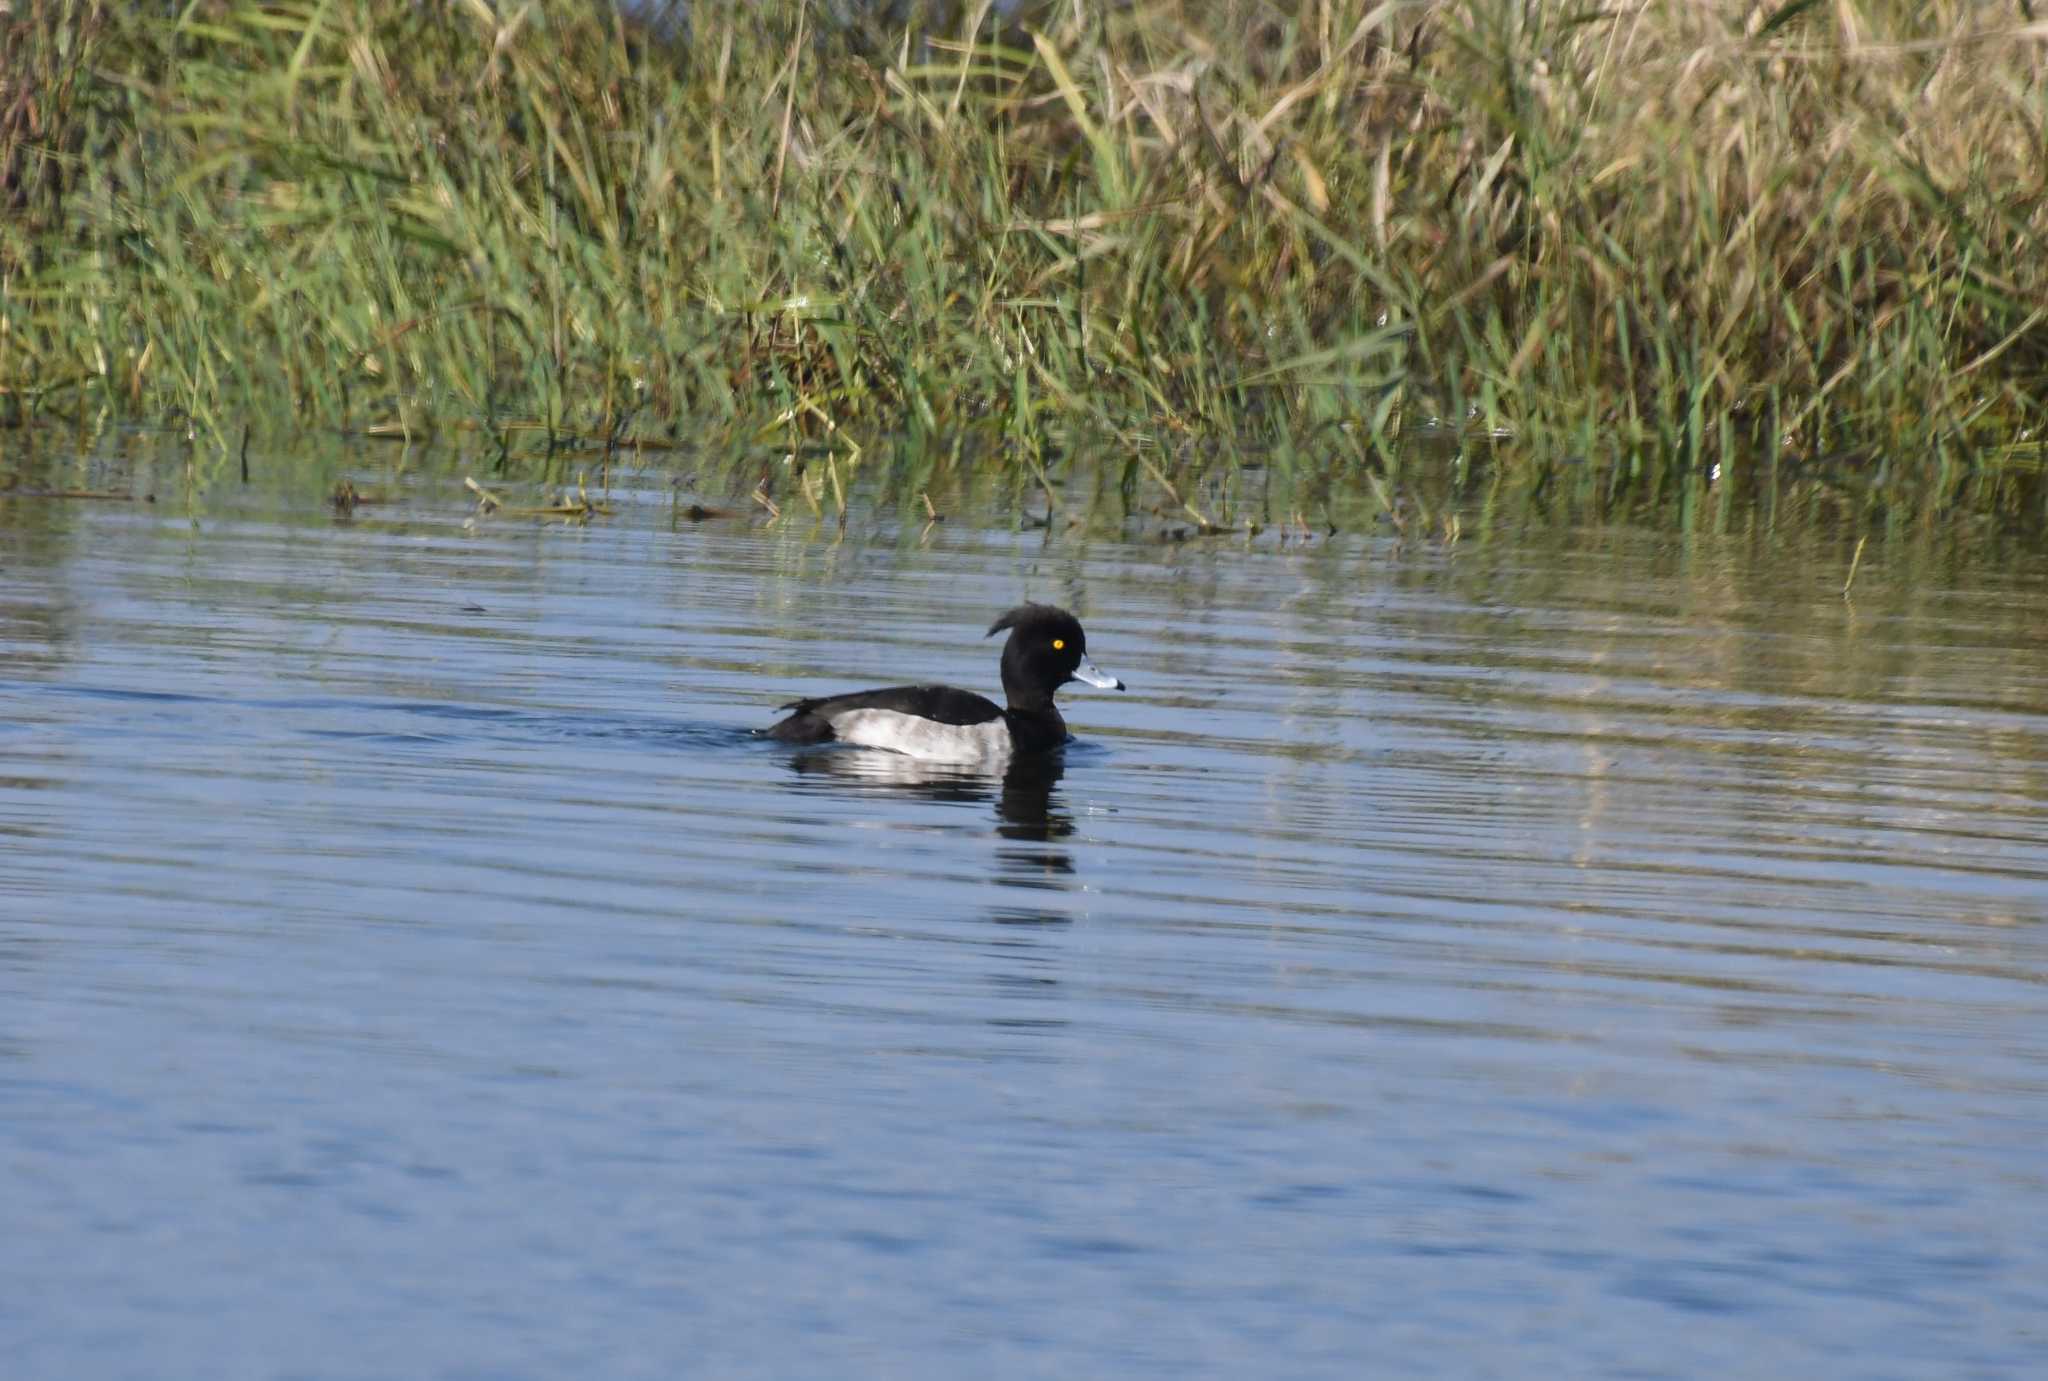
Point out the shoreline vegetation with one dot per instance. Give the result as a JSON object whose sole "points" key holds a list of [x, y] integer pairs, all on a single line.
{"points": [[1643, 252]]}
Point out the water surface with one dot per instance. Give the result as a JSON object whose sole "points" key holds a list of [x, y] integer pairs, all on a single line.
{"points": [[1574, 952]]}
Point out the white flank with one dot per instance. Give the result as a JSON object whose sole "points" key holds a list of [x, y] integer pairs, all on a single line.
{"points": [[924, 739]]}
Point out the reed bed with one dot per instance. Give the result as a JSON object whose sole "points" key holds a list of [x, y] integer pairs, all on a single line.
{"points": [[1643, 248]]}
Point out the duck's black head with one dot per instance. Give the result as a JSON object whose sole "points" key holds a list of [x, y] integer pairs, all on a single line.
{"points": [[1046, 650]]}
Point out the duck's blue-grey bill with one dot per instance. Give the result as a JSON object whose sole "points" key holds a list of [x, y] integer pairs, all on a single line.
{"points": [[1095, 676]]}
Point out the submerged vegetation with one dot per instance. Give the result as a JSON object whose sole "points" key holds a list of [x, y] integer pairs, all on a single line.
{"points": [[1640, 245]]}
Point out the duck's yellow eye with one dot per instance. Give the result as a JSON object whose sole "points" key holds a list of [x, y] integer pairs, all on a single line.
{"points": [[1059, 644]]}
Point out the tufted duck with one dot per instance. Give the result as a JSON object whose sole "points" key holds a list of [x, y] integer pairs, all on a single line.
{"points": [[1046, 650]]}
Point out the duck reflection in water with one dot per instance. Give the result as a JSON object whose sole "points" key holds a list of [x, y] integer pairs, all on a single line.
{"points": [[1029, 815], [1023, 793], [1034, 866]]}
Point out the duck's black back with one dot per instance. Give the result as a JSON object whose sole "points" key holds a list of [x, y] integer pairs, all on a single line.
{"points": [[810, 721]]}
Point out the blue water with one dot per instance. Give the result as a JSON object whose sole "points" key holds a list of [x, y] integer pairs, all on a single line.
{"points": [[1570, 953]]}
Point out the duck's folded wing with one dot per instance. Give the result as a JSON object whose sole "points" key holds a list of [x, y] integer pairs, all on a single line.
{"points": [[822, 720]]}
